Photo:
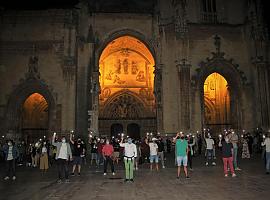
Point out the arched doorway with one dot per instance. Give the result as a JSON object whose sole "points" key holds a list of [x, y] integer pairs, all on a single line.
{"points": [[133, 131], [217, 107], [126, 81], [116, 129], [34, 117]]}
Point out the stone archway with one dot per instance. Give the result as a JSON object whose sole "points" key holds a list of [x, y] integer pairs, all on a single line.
{"points": [[235, 78], [135, 73], [17, 99]]}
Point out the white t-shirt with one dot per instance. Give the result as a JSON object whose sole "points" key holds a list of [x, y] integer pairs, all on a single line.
{"points": [[209, 143], [266, 143], [130, 150], [63, 152], [44, 150], [153, 148], [10, 154]]}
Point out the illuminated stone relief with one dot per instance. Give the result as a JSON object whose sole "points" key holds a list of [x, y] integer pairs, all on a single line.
{"points": [[216, 100], [126, 64]]}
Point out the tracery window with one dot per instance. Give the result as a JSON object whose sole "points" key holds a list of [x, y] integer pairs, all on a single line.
{"points": [[209, 11]]}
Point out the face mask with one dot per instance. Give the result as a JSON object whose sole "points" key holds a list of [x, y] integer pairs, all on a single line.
{"points": [[63, 140], [182, 137], [129, 141], [9, 144], [107, 142]]}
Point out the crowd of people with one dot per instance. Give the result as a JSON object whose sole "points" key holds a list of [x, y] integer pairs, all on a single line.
{"points": [[102, 152]]}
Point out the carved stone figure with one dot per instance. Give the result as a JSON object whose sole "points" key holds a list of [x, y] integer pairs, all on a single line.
{"points": [[125, 65], [134, 68]]}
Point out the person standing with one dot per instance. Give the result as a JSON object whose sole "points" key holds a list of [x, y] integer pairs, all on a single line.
{"points": [[161, 150], [191, 143], [245, 150], [227, 156], [234, 140], [11, 154], [153, 153], [107, 152], [44, 161], [63, 154], [130, 150], [210, 145], [181, 151], [266, 143], [78, 151]]}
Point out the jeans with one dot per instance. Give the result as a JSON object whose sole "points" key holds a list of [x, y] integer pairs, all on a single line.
{"points": [[161, 156], [190, 159], [62, 166], [235, 152], [225, 165], [107, 160], [10, 166], [268, 161], [209, 155]]}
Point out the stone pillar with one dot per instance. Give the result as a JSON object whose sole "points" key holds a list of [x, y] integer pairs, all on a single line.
{"points": [[158, 95], [263, 95], [85, 51], [184, 80]]}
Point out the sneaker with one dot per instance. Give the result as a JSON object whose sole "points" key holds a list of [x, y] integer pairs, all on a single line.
{"points": [[113, 174], [132, 180], [6, 178], [163, 167], [59, 181], [67, 181], [190, 169], [178, 177], [214, 164], [105, 174], [137, 168], [14, 178], [187, 177], [233, 175], [206, 164], [267, 172], [226, 175], [126, 180], [72, 174], [79, 174], [237, 169]]}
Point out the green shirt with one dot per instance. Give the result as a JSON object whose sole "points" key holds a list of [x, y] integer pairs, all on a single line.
{"points": [[181, 147]]}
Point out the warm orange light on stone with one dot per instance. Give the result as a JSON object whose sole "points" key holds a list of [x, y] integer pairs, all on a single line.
{"points": [[216, 99], [126, 64], [35, 112]]}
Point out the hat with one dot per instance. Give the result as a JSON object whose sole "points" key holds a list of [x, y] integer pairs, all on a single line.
{"points": [[154, 139]]}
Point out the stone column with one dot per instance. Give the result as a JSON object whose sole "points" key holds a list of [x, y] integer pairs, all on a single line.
{"points": [[263, 95], [184, 80], [158, 95]]}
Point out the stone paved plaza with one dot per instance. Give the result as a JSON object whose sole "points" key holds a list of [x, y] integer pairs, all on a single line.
{"points": [[205, 183]]}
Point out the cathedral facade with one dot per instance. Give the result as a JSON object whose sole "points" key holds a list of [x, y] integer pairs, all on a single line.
{"points": [[134, 67]]}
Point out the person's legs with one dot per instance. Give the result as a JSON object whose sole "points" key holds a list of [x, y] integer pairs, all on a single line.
{"points": [[59, 167], [156, 159], [235, 152], [66, 168], [126, 168], [190, 160], [268, 162], [179, 161], [185, 160], [151, 162], [230, 160], [225, 165], [79, 168], [8, 168], [13, 165], [112, 165], [106, 160], [131, 165]]}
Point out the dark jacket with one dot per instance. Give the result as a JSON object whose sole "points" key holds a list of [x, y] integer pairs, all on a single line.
{"points": [[15, 152]]}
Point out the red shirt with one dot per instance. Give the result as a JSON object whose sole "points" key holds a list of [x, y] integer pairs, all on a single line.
{"points": [[107, 150], [100, 147]]}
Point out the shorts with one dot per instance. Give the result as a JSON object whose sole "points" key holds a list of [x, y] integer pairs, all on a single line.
{"points": [[181, 160], [153, 157], [77, 160], [93, 156]]}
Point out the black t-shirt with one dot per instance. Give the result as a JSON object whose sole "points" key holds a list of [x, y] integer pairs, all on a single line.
{"points": [[226, 149], [77, 149], [160, 146], [94, 148]]}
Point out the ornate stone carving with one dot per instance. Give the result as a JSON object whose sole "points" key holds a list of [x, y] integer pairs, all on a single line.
{"points": [[69, 68], [180, 18]]}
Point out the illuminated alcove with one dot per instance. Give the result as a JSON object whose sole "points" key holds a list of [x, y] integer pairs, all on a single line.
{"points": [[126, 69], [216, 100]]}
